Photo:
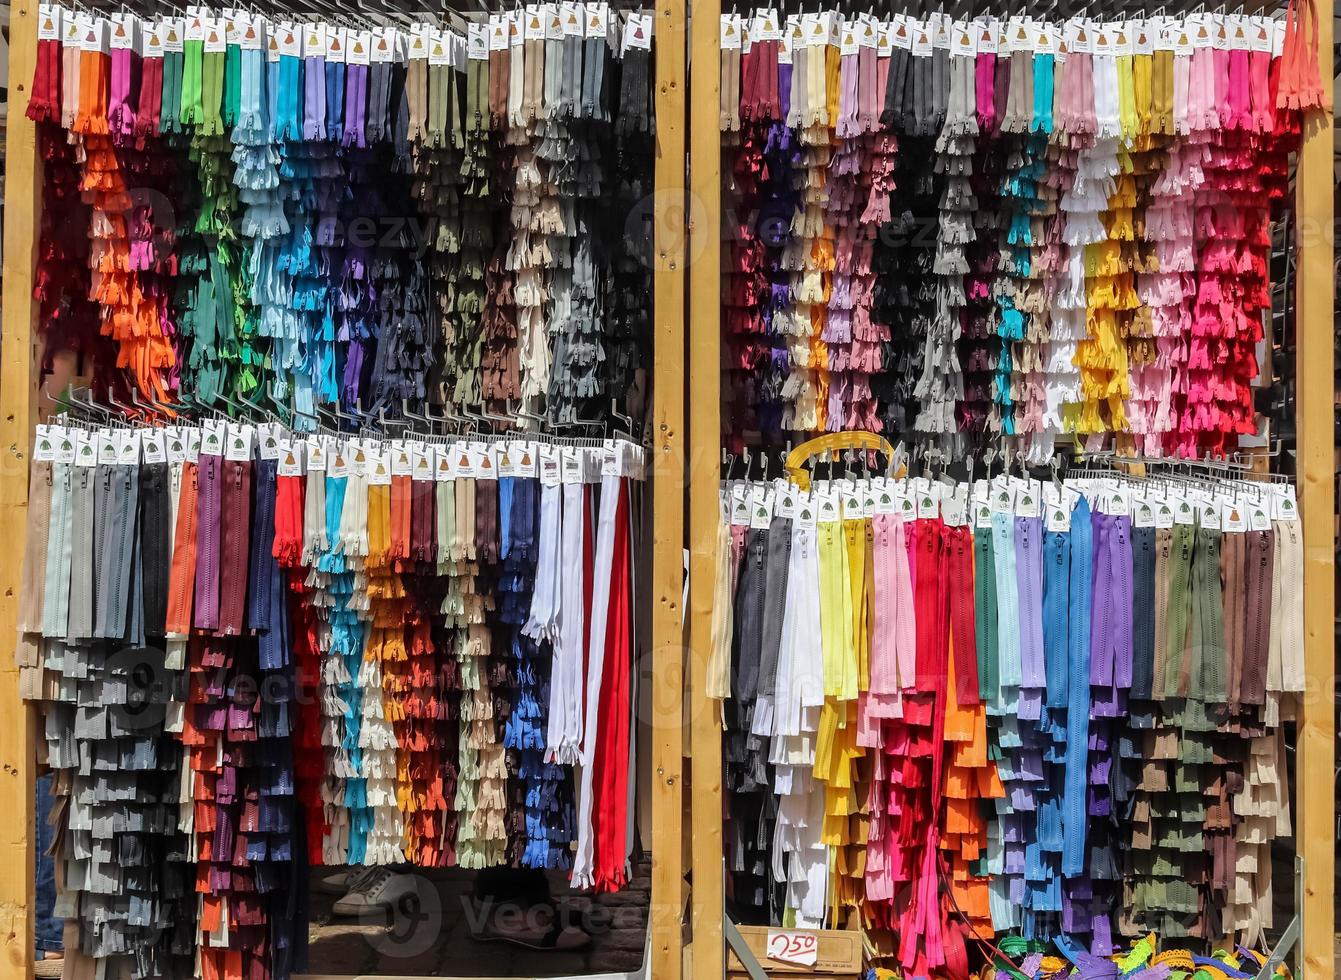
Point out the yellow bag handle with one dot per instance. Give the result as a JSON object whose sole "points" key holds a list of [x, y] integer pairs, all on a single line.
{"points": [[833, 442]]}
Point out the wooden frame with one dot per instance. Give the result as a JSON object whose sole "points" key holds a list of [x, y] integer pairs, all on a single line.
{"points": [[1315, 807], [1315, 798], [18, 399], [666, 918], [685, 370], [703, 366]]}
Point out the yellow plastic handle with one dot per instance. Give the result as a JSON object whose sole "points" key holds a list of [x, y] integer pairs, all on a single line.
{"points": [[833, 442]]}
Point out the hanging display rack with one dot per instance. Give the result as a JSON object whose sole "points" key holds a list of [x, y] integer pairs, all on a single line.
{"points": [[687, 827], [710, 332]]}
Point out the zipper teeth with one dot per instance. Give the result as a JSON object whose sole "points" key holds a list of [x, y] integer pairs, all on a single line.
{"points": [[211, 554], [1263, 622], [178, 583], [231, 570], [118, 563]]}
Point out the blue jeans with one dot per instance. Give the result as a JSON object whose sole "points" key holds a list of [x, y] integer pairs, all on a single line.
{"points": [[48, 928]]}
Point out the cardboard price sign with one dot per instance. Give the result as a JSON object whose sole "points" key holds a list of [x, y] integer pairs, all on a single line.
{"points": [[801, 948]]}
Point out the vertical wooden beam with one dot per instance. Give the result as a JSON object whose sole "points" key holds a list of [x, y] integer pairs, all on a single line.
{"points": [[1314, 798], [704, 364], [668, 475], [17, 407]]}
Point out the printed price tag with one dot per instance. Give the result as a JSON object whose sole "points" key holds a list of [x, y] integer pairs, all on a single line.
{"points": [[128, 452], [761, 506], [598, 19], [85, 448], [336, 42], [444, 459], [571, 15], [550, 462], [477, 42], [316, 454], [155, 446], [107, 446], [1287, 508], [1058, 516], [801, 948], [524, 456], [63, 442], [268, 444], [638, 32], [44, 448], [212, 438], [730, 32], [379, 468], [240, 441], [291, 457], [486, 466], [49, 22], [1258, 518]]}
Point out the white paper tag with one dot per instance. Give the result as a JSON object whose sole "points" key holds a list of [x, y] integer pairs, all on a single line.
{"points": [[240, 441], [128, 448], [63, 443], [1287, 507], [638, 32], [1058, 516], [378, 467], [360, 48], [1258, 517], [444, 458], [730, 32], [740, 505], [290, 456], [598, 20], [44, 447], [477, 43], [550, 466], [963, 41], [485, 462], [154, 446], [86, 448], [828, 506], [337, 43], [49, 22], [316, 454], [571, 15], [761, 506], [533, 24], [108, 443], [123, 31], [267, 440], [212, 437], [921, 40]]}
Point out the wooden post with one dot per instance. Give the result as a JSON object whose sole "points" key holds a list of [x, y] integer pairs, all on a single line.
{"points": [[666, 920], [1315, 804], [18, 734], [704, 367]]}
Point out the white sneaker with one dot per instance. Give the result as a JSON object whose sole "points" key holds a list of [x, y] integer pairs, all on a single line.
{"points": [[374, 888]]}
